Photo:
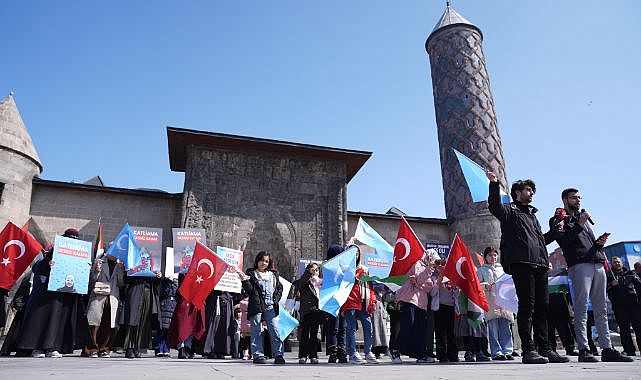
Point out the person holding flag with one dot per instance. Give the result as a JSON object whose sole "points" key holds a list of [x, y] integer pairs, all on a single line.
{"points": [[414, 302], [54, 323], [335, 325], [359, 305], [524, 256], [262, 285], [188, 319], [498, 319], [469, 300]]}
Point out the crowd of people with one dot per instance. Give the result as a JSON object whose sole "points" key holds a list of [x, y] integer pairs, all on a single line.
{"points": [[430, 318]]}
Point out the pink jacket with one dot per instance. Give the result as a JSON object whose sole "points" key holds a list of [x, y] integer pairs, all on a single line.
{"points": [[416, 293]]}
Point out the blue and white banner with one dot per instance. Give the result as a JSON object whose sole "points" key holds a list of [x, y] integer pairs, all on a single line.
{"points": [[379, 263], [476, 179], [125, 248], [338, 278]]}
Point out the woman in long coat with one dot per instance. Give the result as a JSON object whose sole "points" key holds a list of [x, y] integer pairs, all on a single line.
{"points": [[54, 323], [105, 280], [140, 313]]}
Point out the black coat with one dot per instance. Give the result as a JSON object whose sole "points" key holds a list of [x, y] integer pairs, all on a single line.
{"points": [[251, 289], [577, 242], [522, 240], [303, 291], [628, 289], [167, 297]]}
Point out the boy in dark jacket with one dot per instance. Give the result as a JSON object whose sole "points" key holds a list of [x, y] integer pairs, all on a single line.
{"points": [[524, 256]]}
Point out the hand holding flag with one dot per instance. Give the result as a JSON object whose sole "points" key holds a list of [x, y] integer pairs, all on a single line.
{"points": [[202, 277], [461, 271], [477, 179]]}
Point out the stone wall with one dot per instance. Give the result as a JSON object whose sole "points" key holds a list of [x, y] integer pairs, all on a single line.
{"points": [[56, 206], [17, 175], [427, 230], [291, 206]]}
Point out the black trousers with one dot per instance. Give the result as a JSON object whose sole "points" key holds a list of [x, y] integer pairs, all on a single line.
{"points": [[444, 327], [559, 319], [335, 335], [308, 345], [429, 330], [628, 314], [395, 327], [531, 285]]}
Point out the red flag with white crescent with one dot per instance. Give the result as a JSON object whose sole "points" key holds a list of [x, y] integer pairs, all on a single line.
{"points": [[460, 269], [17, 251], [205, 271], [407, 250]]}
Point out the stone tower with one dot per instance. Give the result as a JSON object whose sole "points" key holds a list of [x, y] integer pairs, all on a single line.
{"points": [[19, 162], [466, 121]]}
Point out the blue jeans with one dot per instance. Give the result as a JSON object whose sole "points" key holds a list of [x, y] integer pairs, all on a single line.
{"points": [[350, 330], [500, 337], [257, 341]]}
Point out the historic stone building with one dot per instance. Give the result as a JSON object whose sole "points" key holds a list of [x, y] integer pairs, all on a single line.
{"points": [[258, 194], [466, 121]]}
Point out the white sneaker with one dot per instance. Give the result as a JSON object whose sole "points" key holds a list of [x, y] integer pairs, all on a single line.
{"points": [[302, 360], [356, 359], [37, 354], [94, 355], [425, 360], [53, 354], [396, 358], [371, 358]]}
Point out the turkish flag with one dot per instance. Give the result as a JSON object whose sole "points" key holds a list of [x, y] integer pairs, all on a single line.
{"points": [[407, 250], [205, 271], [460, 269], [17, 251]]}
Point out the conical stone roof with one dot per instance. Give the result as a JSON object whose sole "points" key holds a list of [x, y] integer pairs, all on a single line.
{"points": [[451, 17], [13, 133]]}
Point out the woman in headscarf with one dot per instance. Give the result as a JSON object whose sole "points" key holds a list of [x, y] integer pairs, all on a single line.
{"points": [[54, 323], [105, 281]]}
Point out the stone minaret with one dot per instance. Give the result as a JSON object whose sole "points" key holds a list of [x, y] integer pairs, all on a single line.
{"points": [[466, 121], [19, 163]]}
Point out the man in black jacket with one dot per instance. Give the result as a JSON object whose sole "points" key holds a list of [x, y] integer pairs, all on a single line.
{"points": [[624, 288], [524, 256], [585, 257]]}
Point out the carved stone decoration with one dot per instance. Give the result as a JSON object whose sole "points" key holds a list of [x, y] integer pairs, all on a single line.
{"points": [[265, 202]]}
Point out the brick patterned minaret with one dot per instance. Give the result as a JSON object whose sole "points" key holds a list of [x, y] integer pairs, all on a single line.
{"points": [[466, 121]]}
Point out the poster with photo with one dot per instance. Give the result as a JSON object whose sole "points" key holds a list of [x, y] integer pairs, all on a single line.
{"points": [[71, 265], [184, 241], [149, 241]]}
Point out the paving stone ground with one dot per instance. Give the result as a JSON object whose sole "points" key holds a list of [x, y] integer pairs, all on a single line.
{"points": [[118, 367]]}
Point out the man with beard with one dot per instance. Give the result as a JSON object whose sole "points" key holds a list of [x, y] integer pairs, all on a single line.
{"points": [[624, 287], [524, 256], [585, 257]]}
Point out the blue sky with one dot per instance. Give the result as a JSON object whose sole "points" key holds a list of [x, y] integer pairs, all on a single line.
{"points": [[108, 77]]}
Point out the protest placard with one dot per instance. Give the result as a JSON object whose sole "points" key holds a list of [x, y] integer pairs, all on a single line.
{"points": [[72, 262]]}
